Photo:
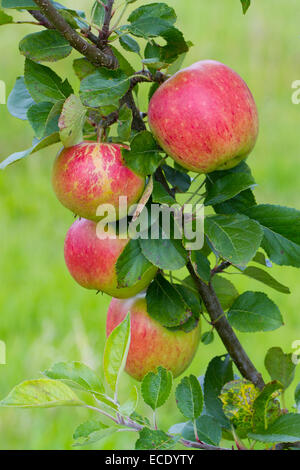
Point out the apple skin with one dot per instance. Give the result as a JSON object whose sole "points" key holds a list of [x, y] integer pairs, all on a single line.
{"points": [[152, 345], [91, 173], [91, 261], [205, 117]]}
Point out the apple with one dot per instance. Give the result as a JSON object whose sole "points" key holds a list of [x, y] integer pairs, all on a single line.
{"points": [[205, 117], [152, 344], [92, 260], [91, 174]]}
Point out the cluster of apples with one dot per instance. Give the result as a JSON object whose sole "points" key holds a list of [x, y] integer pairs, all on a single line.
{"points": [[205, 118]]}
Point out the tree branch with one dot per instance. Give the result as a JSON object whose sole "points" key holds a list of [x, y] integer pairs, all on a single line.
{"points": [[96, 56], [226, 333]]}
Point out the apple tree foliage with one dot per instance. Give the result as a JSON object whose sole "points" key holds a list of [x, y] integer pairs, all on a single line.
{"points": [[244, 236]]}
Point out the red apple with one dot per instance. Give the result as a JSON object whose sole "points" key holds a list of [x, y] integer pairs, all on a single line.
{"points": [[89, 174], [205, 117], [152, 345], [92, 261]]}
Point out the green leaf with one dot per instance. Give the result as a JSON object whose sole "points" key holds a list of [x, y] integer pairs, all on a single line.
{"points": [[77, 375], [240, 203], [261, 259], [49, 140], [45, 46], [225, 290], [281, 227], [189, 397], [82, 68], [164, 253], [286, 428], [178, 179], [124, 123], [132, 264], [235, 237], [254, 311], [207, 337], [262, 411], [201, 265], [218, 373], [156, 387], [98, 13], [19, 100], [208, 430], [4, 18], [245, 5], [20, 4], [143, 157], [155, 440], [104, 87], [125, 66], [71, 121], [43, 84], [262, 276], [151, 20], [238, 397], [115, 353], [38, 117], [127, 408], [160, 194], [41, 393], [165, 304], [280, 366], [92, 431], [221, 187], [129, 44]]}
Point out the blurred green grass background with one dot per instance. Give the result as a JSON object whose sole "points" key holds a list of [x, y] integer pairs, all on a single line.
{"points": [[44, 316]]}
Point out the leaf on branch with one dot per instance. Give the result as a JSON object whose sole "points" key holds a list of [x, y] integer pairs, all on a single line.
{"points": [[160, 194], [165, 304], [129, 407], [224, 185], [129, 44], [189, 397], [218, 373], [238, 204], [98, 13], [20, 4], [41, 393], [43, 84], [201, 265], [281, 226], [77, 375], [208, 430], [82, 68], [207, 337], [39, 145], [280, 366], [104, 87], [43, 118], [92, 431], [71, 121], [238, 397], [265, 278], [155, 440], [45, 46], [156, 387], [115, 353], [164, 253], [124, 123], [245, 5], [178, 179], [151, 20], [19, 100], [235, 237], [225, 291], [144, 155], [286, 428], [5, 19], [254, 311], [266, 408], [132, 265]]}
